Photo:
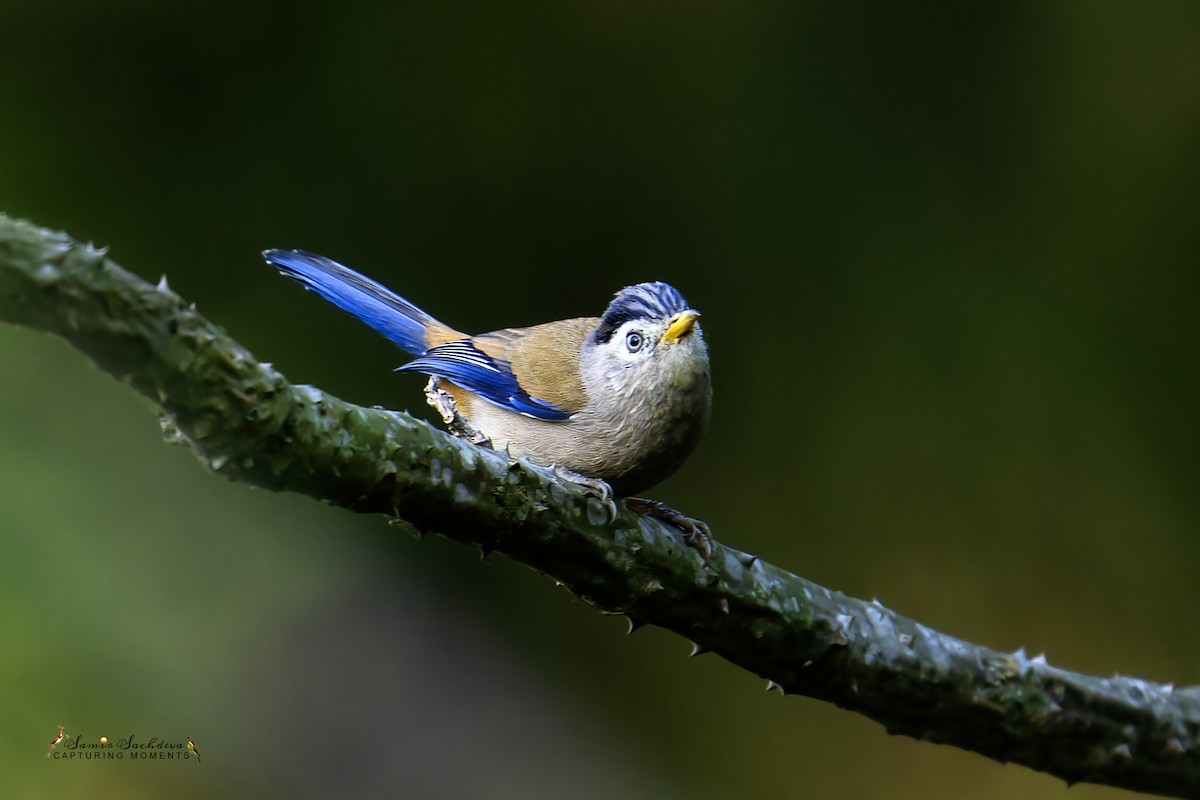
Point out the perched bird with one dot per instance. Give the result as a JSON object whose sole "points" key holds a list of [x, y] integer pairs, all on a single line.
{"points": [[57, 740], [615, 401], [191, 746]]}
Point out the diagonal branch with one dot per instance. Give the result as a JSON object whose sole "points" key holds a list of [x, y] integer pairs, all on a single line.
{"points": [[245, 421]]}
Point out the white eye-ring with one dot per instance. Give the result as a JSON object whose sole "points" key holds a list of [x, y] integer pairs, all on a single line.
{"points": [[634, 341]]}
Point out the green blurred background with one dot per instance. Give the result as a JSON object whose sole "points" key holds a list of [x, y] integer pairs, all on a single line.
{"points": [[947, 260]]}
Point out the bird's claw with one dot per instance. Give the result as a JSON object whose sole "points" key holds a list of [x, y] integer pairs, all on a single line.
{"points": [[594, 486], [695, 532]]}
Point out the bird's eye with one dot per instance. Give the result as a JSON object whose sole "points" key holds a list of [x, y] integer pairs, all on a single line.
{"points": [[634, 341]]}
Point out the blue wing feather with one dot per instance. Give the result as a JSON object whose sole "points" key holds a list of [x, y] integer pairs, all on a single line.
{"points": [[408, 326], [373, 303], [492, 379]]}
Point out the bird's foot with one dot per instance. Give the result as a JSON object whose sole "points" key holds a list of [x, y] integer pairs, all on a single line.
{"points": [[695, 531], [594, 486]]}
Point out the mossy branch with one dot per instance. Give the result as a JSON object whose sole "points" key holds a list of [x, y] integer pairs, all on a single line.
{"points": [[245, 421]]}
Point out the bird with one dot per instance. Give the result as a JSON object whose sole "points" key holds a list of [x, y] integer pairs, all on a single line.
{"points": [[615, 403], [57, 740], [191, 746]]}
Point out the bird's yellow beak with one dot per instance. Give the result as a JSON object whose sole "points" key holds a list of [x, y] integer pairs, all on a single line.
{"points": [[680, 326]]}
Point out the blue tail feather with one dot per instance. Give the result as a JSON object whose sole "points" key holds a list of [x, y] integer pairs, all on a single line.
{"points": [[381, 308]]}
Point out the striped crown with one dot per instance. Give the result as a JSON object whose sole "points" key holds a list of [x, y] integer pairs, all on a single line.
{"points": [[648, 301]]}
